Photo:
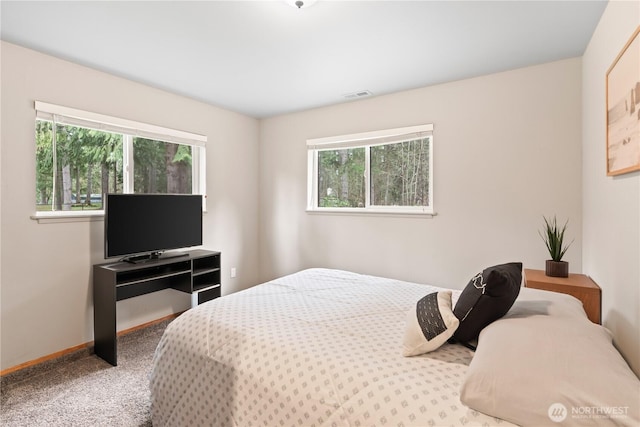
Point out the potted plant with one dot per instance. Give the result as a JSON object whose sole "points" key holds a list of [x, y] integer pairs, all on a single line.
{"points": [[553, 237]]}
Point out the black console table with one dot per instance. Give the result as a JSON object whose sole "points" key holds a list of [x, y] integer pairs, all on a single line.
{"points": [[196, 272]]}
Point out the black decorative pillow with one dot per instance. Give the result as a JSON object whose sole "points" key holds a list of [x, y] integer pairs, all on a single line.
{"points": [[429, 324], [488, 296]]}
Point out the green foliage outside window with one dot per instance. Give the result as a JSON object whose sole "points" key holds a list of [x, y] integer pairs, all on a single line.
{"points": [[161, 167], [398, 176], [341, 178], [88, 163]]}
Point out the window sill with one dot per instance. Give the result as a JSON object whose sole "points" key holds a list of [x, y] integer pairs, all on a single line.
{"points": [[372, 212], [69, 216]]}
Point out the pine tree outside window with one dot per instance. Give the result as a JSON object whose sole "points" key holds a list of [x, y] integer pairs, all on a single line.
{"points": [[389, 171], [89, 155]]}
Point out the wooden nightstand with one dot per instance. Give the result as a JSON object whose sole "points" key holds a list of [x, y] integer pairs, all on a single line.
{"points": [[578, 285]]}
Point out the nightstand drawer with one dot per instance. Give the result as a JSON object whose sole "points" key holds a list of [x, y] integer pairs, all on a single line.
{"points": [[577, 285]]}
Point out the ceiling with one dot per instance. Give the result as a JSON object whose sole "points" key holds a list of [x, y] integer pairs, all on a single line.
{"points": [[265, 58]]}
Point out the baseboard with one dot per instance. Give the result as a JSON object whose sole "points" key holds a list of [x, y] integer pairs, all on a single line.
{"points": [[88, 347]]}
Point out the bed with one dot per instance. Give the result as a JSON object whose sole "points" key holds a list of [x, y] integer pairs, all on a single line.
{"points": [[323, 347]]}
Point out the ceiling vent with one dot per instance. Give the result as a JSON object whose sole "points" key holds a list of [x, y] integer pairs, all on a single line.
{"points": [[361, 94]]}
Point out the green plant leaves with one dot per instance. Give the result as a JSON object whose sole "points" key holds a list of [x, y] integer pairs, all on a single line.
{"points": [[553, 237]]}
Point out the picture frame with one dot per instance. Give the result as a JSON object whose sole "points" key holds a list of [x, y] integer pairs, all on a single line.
{"points": [[623, 109]]}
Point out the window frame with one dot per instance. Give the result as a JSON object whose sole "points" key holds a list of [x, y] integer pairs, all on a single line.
{"points": [[367, 140], [129, 129]]}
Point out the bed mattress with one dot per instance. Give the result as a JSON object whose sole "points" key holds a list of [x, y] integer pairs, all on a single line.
{"points": [[316, 348]]}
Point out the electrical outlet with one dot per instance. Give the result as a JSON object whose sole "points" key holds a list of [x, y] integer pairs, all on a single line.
{"points": [[233, 272]]}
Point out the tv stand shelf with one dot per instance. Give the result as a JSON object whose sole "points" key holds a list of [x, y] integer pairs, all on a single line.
{"points": [[196, 273]]}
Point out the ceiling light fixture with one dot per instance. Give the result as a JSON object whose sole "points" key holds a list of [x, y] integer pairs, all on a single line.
{"points": [[300, 4]]}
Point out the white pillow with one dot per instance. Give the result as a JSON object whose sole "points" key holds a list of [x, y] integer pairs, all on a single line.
{"points": [[546, 363], [429, 324]]}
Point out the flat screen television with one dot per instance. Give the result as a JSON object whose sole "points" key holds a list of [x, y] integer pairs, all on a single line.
{"points": [[138, 227]]}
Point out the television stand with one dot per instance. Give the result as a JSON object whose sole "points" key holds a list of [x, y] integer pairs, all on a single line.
{"points": [[195, 272]]}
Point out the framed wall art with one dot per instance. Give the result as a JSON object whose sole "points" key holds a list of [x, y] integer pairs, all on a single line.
{"points": [[623, 109]]}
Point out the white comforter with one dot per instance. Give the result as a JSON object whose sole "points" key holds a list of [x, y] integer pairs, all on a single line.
{"points": [[316, 348]]}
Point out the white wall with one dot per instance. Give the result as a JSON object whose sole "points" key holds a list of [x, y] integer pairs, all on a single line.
{"points": [[611, 205], [507, 150], [46, 268]]}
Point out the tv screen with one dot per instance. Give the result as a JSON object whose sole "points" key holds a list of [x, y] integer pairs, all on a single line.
{"points": [[141, 224]]}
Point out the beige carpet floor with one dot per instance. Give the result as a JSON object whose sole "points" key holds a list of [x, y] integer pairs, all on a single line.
{"points": [[83, 390]]}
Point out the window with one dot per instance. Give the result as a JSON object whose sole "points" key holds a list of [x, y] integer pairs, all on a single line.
{"points": [[386, 171], [81, 155]]}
